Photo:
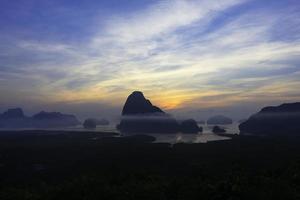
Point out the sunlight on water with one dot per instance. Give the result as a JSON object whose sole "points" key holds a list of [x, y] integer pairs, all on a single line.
{"points": [[205, 136]]}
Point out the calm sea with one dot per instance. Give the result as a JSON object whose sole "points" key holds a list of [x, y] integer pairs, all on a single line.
{"points": [[203, 137]]}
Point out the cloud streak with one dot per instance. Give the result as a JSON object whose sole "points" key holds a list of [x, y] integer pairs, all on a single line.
{"points": [[182, 54]]}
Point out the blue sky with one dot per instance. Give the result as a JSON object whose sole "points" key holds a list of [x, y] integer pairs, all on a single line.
{"points": [[191, 57]]}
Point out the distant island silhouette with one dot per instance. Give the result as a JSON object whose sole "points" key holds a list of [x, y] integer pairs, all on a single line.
{"points": [[92, 123], [140, 116], [218, 129], [283, 119], [15, 118]]}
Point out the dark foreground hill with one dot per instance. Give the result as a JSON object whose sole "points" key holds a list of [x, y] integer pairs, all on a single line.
{"points": [[88, 165], [283, 119]]}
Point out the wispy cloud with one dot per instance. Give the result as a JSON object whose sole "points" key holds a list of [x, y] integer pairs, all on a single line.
{"points": [[176, 51]]}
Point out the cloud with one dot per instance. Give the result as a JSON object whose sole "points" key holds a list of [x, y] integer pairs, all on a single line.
{"points": [[171, 15], [178, 52]]}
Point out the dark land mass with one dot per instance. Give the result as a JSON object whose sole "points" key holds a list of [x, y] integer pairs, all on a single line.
{"points": [[92, 123], [190, 126], [89, 123], [217, 129], [89, 165], [15, 118], [272, 120], [136, 103], [140, 116], [149, 124]]}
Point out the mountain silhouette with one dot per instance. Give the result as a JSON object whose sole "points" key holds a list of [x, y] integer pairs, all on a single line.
{"points": [[140, 116], [54, 119], [283, 119], [13, 113], [136, 103], [15, 118]]}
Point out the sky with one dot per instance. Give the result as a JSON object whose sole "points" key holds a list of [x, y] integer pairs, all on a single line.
{"points": [[192, 58]]}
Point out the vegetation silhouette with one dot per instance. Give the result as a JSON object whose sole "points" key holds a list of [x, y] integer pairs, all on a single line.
{"points": [[44, 165]]}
